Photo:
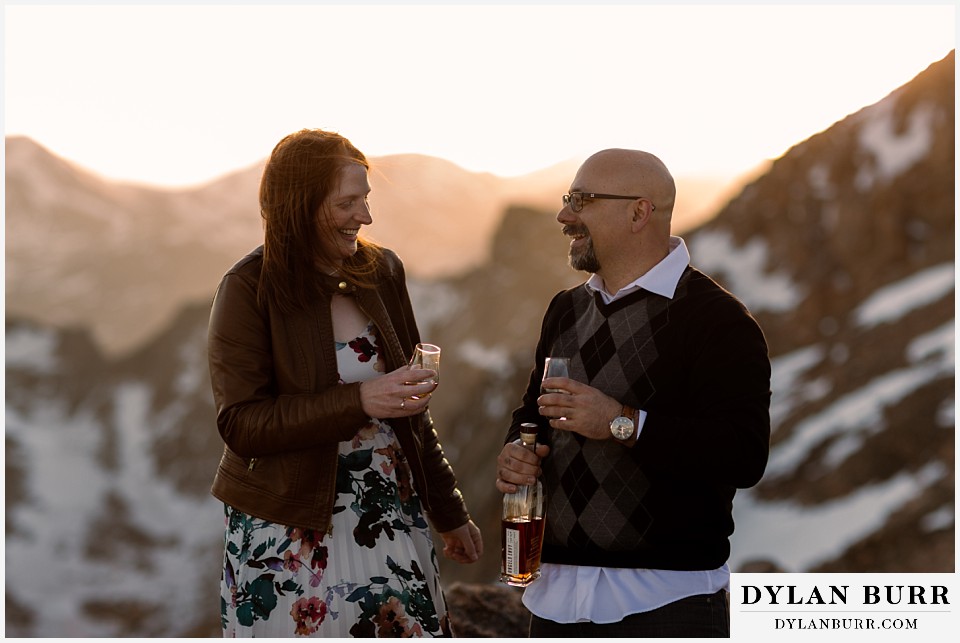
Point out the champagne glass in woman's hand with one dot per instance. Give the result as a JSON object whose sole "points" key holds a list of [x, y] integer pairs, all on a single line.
{"points": [[426, 356]]}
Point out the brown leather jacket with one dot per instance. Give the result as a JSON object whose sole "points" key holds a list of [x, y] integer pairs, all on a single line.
{"points": [[281, 412]]}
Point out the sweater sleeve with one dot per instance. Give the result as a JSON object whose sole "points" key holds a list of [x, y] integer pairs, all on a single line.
{"points": [[529, 410], [718, 427]]}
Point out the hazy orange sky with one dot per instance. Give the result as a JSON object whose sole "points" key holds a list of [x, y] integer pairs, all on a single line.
{"points": [[177, 95]]}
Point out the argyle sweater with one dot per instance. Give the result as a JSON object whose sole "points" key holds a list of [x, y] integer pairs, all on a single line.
{"points": [[698, 365]]}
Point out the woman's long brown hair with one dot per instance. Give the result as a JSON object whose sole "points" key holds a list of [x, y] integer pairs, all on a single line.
{"points": [[300, 174]]}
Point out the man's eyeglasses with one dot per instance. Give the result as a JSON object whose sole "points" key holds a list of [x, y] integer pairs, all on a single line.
{"points": [[575, 199]]}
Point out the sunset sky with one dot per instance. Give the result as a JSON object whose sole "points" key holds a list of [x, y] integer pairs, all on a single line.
{"points": [[177, 95]]}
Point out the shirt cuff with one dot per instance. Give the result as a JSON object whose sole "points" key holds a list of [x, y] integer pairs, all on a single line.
{"points": [[639, 421]]}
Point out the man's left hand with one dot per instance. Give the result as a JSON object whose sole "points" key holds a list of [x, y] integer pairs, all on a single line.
{"points": [[581, 408]]}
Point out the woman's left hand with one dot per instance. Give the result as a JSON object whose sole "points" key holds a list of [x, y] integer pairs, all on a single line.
{"points": [[398, 394], [463, 544]]}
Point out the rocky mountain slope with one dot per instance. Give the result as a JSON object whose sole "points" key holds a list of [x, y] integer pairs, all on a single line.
{"points": [[844, 249]]}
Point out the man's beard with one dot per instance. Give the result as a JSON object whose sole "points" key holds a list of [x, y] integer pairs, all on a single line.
{"points": [[584, 259]]}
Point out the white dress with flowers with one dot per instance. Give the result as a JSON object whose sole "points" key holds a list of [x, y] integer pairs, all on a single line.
{"points": [[375, 573]]}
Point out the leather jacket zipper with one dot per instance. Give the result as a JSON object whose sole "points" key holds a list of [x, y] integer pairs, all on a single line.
{"points": [[253, 461]]}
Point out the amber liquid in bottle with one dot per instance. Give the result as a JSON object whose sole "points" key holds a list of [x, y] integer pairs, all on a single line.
{"points": [[521, 530], [522, 541]]}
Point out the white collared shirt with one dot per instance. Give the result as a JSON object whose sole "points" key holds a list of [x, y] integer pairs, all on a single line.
{"points": [[574, 593], [662, 279]]}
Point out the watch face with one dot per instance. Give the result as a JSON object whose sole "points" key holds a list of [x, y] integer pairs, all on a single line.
{"points": [[621, 428]]}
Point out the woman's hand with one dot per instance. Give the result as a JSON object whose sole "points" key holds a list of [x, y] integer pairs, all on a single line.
{"points": [[394, 395], [463, 544]]}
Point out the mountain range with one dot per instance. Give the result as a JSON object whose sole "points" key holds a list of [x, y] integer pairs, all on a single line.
{"points": [[122, 259], [843, 248]]}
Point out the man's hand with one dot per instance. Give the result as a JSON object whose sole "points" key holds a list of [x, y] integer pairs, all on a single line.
{"points": [[581, 409], [518, 465]]}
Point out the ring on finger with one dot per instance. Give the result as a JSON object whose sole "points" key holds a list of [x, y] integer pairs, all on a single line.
{"points": [[403, 403]]}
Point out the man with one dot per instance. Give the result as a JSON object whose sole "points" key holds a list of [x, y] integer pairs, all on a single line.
{"points": [[665, 414]]}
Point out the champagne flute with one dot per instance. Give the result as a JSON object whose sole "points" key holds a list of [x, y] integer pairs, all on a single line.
{"points": [[426, 356], [555, 367]]}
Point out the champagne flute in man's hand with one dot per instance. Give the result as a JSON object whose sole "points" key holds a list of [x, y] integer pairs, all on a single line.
{"points": [[426, 356], [555, 367]]}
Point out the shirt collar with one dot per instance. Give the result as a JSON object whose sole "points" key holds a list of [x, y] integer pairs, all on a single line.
{"points": [[662, 279]]}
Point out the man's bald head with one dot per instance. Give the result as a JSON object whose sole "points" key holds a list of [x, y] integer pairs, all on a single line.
{"points": [[620, 171]]}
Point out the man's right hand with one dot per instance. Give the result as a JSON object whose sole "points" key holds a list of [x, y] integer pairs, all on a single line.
{"points": [[517, 465]]}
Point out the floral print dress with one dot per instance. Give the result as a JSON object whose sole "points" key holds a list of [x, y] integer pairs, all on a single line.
{"points": [[373, 574]]}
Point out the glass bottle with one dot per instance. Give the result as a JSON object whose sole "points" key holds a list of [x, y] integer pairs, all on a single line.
{"points": [[521, 533]]}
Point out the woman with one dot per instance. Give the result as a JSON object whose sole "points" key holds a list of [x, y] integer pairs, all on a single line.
{"points": [[331, 462]]}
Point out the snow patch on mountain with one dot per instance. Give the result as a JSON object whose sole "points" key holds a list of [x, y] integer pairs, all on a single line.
{"points": [[33, 350], [434, 303], [798, 537], [745, 269], [790, 391], [493, 359], [896, 300], [893, 151], [123, 531], [942, 518], [854, 417]]}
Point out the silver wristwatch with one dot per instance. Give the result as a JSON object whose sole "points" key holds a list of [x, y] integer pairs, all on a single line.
{"points": [[622, 426]]}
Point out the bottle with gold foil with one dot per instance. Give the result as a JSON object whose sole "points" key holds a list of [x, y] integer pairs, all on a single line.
{"points": [[522, 526]]}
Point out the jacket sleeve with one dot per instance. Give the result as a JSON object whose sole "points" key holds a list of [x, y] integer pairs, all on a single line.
{"points": [[252, 418], [447, 507], [448, 510]]}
